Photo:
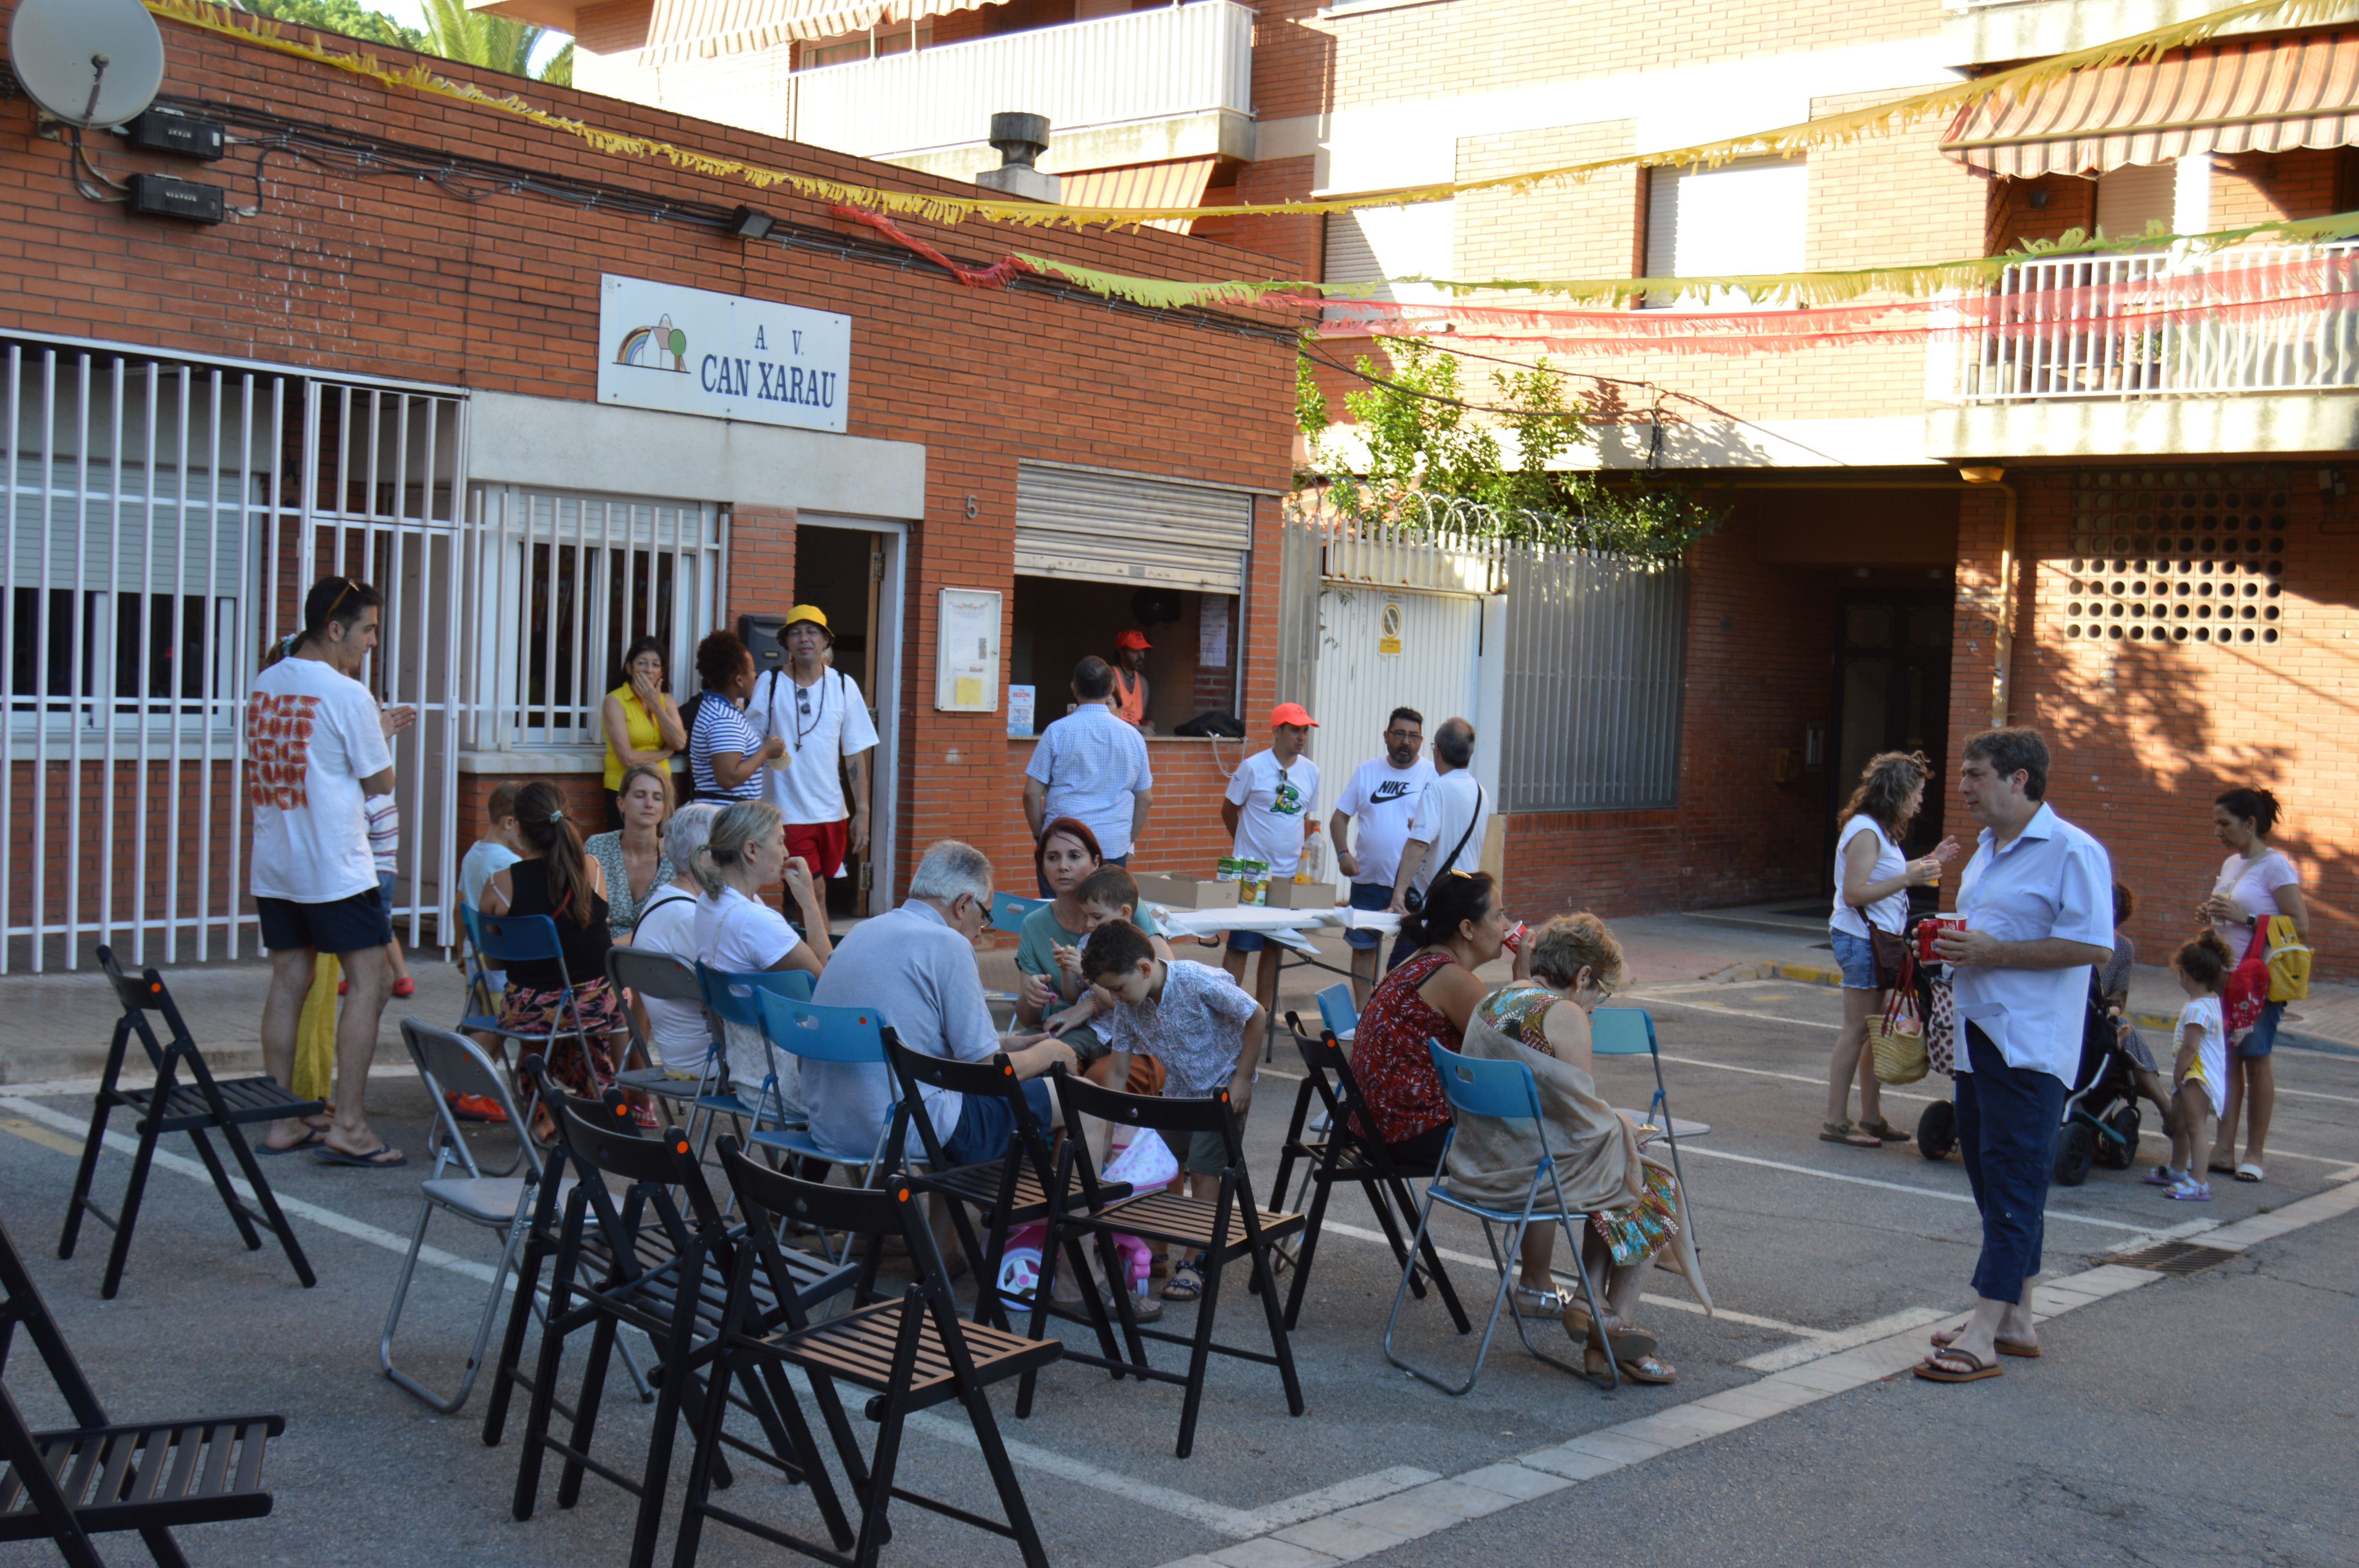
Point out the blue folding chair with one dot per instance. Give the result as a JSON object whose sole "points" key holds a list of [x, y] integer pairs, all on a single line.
{"points": [[1630, 1032], [736, 999], [505, 939], [1007, 911], [1504, 1091], [480, 1008], [1336, 1011], [851, 1036]]}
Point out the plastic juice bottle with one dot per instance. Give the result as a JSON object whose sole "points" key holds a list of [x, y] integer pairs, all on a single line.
{"points": [[1312, 867]]}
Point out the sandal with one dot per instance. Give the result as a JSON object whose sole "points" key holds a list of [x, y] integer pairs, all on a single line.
{"points": [[1647, 1369], [1849, 1137], [1530, 1303], [2027, 1348], [1932, 1370], [2250, 1172], [1186, 1283], [1883, 1131], [1633, 1344]]}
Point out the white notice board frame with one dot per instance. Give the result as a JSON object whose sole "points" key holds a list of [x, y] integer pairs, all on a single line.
{"points": [[966, 650]]}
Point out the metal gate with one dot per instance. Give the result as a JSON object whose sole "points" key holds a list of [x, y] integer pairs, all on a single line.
{"points": [[164, 515], [1382, 648]]}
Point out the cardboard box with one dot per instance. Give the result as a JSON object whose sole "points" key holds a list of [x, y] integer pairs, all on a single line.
{"points": [[1187, 892], [1287, 893]]}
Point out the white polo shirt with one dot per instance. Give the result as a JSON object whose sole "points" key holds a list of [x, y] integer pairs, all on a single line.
{"points": [[2053, 881]]}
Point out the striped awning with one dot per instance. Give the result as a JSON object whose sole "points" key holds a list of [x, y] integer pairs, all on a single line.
{"points": [[1178, 182], [677, 30], [2263, 95]]}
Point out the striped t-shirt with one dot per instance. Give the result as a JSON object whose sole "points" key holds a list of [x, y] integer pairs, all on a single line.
{"points": [[720, 727]]}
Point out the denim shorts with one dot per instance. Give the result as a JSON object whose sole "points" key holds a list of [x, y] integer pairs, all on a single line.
{"points": [[1247, 941], [1376, 897], [2263, 1039], [1857, 956]]}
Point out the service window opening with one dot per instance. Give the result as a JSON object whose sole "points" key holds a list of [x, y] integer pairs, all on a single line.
{"points": [[1192, 658]]}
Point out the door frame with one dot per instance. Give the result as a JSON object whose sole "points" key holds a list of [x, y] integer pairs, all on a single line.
{"points": [[885, 635]]}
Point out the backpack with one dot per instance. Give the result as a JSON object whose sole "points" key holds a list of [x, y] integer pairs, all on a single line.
{"points": [[2288, 960]]}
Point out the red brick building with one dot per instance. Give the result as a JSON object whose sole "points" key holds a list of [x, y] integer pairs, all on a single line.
{"points": [[388, 358]]}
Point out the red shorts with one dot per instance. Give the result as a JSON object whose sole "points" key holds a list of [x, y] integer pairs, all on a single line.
{"points": [[820, 845]]}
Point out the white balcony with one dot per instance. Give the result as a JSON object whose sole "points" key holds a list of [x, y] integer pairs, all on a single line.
{"points": [[1145, 85], [2087, 355]]}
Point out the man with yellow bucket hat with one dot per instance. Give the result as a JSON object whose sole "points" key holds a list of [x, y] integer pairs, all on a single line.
{"points": [[819, 712]]}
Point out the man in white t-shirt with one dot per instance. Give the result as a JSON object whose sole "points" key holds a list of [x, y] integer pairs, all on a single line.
{"points": [[1267, 806], [1090, 766], [1446, 834], [315, 749], [1381, 800], [819, 714]]}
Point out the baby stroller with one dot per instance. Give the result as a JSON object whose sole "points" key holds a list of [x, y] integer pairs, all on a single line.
{"points": [[2101, 1114]]}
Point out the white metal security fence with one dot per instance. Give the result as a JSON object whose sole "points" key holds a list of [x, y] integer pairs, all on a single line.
{"points": [[1595, 648], [164, 515], [564, 582]]}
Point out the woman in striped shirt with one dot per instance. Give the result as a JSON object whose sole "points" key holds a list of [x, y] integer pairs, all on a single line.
{"points": [[725, 752]]}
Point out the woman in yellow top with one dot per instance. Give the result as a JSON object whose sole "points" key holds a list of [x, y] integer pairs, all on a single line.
{"points": [[642, 722]]}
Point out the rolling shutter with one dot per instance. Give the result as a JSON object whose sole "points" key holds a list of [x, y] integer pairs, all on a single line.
{"points": [[1748, 216], [1109, 527]]}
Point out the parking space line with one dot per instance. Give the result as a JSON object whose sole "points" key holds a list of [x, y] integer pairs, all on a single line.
{"points": [[1914, 1191], [1728, 1011]]}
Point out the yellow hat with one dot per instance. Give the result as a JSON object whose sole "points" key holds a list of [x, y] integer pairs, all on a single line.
{"points": [[811, 612]]}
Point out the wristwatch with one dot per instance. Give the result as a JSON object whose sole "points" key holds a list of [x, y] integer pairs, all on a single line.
{"points": [[2253, 921]]}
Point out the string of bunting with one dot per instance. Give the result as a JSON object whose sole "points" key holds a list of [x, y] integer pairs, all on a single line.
{"points": [[1835, 130]]}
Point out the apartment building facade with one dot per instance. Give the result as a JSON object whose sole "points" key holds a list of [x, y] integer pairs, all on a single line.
{"points": [[2149, 560]]}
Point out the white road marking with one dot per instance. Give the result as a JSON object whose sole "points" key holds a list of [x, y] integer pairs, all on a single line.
{"points": [[1914, 1191], [1730, 1011], [1884, 1327]]}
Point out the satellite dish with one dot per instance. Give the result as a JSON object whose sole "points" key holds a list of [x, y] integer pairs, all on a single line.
{"points": [[87, 63]]}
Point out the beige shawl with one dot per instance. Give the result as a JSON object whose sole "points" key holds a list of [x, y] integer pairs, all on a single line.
{"points": [[1596, 1148]]}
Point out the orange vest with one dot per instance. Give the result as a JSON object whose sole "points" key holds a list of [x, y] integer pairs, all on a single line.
{"points": [[1130, 696]]}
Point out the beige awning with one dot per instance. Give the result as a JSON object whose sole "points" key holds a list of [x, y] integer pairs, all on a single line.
{"points": [[679, 29], [1176, 182], [2262, 95]]}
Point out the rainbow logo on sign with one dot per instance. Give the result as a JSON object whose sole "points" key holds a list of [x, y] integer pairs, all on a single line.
{"points": [[648, 347]]}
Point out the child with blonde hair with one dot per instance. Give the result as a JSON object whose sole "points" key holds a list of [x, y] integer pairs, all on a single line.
{"points": [[2199, 1074]]}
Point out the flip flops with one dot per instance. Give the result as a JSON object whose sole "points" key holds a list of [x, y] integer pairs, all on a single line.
{"points": [[1932, 1371], [383, 1157], [2024, 1348], [312, 1138]]}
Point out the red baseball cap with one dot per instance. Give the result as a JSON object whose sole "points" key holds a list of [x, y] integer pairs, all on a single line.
{"points": [[1133, 639], [1292, 713]]}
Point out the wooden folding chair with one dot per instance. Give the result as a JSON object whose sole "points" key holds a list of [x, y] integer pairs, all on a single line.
{"points": [[677, 1302], [1008, 1190], [200, 1104], [908, 1355], [1342, 1156], [1226, 1228], [95, 1476]]}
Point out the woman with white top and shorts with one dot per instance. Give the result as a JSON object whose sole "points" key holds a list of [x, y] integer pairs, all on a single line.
{"points": [[2255, 883], [1872, 882]]}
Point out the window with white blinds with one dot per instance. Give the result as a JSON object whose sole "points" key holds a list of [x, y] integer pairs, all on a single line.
{"points": [[1371, 243], [1750, 216]]}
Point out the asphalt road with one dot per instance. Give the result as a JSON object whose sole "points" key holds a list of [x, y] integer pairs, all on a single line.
{"points": [[2207, 1419]]}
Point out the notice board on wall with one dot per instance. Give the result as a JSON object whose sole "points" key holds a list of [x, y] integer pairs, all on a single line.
{"points": [[966, 650]]}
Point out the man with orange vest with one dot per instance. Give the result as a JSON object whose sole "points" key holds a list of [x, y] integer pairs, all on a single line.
{"points": [[1129, 682]]}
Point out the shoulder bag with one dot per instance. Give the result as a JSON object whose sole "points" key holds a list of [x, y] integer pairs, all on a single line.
{"points": [[1414, 900]]}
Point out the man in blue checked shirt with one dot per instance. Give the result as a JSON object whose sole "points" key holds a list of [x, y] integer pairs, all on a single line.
{"points": [[2037, 902]]}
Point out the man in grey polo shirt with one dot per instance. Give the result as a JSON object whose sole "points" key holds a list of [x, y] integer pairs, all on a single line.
{"points": [[2037, 901], [1091, 766]]}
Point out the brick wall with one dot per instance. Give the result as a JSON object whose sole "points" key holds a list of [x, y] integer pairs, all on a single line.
{"points": [[2144, 735]]}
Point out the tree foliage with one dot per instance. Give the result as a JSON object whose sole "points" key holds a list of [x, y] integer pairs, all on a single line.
{"points": [[453, 32], [346, 17], [1426, 446]]}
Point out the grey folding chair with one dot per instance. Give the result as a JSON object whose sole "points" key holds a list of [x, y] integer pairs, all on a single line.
{"points": [[662, 977], [449, 1063], [1504, 1091]]}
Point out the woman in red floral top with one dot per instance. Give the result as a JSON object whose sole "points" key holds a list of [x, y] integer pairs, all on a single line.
{"points": [[1429, 996]]}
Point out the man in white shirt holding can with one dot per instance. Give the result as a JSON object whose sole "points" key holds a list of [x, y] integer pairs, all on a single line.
{"points": [[1381, 799], [1269, 808], [819, 713], [2037, 906], [1446, 834], [315, 746]]}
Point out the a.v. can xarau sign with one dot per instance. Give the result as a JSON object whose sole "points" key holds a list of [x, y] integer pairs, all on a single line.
{"points": [[691, 351]]}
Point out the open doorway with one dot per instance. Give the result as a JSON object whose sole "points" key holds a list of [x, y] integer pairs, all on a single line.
{"points": [[1892, 693], [850, 568]]}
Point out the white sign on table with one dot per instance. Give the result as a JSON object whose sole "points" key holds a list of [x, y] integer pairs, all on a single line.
{"points": [[691, 351]]}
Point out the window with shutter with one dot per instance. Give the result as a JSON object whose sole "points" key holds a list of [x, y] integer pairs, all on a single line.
{"points": [[1750, 216], [1372, 244]]}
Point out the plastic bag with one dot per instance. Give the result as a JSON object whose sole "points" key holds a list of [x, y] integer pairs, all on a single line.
{"points": [[1148, 1164]]}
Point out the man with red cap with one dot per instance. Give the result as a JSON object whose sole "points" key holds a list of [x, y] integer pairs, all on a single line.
{"points": [[1268, 807], [1130, 680]]}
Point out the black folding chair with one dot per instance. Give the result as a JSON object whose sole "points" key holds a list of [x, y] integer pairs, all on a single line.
{"points": [[192, 1106], [1226, 1228], [1007, 1191], [1342, 1156], [676, 1299], [95, 1476], [908, 1354]]}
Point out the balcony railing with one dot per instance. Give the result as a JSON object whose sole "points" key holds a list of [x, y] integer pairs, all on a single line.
{"points": [[1144, 65], [2259, 319]]}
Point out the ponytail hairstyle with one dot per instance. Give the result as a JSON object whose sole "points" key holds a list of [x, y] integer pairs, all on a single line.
{"points": [[540, 817], [2258, 807], [340, 600], [741, 824], [1885, 785], [2203, 960], [1449, 902]]}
